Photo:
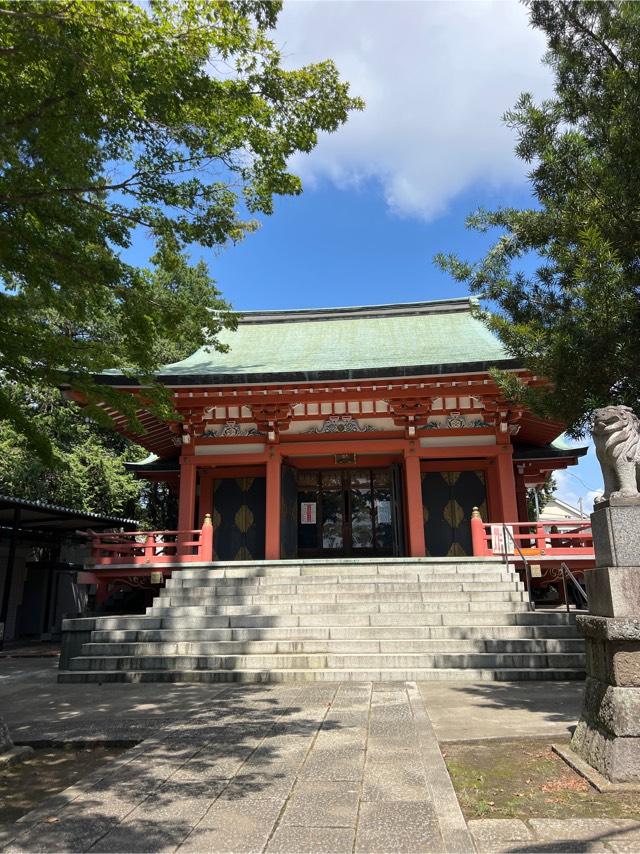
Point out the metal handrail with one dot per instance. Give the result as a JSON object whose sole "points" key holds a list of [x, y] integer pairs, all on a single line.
{"points": [[527, 568], [564, 569]]}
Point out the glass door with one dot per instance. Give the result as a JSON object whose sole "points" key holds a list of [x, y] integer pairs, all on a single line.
{"points": [[332, 511], [345, 513]]}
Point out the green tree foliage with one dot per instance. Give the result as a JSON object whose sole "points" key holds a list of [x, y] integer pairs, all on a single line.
{"points": [[86, 470], [576, 318], [172, 117], [89, 474]]}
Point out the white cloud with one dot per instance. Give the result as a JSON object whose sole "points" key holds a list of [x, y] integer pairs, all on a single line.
{"points": [[436, 76]]}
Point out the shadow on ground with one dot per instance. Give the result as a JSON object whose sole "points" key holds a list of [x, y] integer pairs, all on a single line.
{"points": [[238, 746]]}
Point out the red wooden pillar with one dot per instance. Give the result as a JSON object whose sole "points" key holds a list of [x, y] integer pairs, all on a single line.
{"points": [[272, 526], [187, 495], [415, 515], [506, 478], [521, 498], [205, 501]]}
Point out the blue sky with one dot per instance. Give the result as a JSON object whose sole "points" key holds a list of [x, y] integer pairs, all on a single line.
{"points": [[335, 246], [393, 187]]}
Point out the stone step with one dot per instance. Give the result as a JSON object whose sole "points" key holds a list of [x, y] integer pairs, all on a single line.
{"points": [[501, 601], [502, 674], [346, 646], [331, 661], [299, 604], [339, 593], [485, 617], [422, 632], [176, 582], [342, 568], [395, 619]]}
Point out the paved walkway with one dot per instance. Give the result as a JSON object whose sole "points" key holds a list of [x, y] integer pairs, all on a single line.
{"points": [[312, 768], [466, 711], [322, 768]]}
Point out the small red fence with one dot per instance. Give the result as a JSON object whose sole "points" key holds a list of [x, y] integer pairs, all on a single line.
{"points": [[141, 548], [568, 538]]}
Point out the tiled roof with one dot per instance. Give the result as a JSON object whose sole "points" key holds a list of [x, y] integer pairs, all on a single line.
{"points": [[43, 510], [310, 342]]}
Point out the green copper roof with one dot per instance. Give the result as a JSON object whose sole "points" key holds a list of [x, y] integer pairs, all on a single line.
{"points": [[348, 341]]}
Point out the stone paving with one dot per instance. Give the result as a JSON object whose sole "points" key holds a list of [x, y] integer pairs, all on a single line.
{"points": [[312, 768], [322, 768]]}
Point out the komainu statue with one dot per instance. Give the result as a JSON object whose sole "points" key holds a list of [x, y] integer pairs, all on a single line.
{"points": [[616, 435]]}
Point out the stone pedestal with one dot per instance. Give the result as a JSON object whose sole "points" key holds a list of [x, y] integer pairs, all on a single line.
{"points": [[608, 733]]}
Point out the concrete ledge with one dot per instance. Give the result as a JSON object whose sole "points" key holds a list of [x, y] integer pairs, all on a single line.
{"points": [[608, 628], [453, 827], [590, 774]]}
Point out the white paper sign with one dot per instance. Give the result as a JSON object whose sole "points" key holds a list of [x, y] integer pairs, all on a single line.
{"points": [[383, 509], [308, 512], [498, 540]]}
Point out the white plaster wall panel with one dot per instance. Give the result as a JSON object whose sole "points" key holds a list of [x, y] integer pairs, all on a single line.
{"points": [[226, 450], [457, 441]]}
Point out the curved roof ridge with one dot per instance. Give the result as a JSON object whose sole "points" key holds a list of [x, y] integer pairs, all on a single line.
{"points": [[357, 311]]}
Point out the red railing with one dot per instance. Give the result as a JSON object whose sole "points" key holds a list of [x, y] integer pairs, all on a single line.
{"points": [[564, 538], [143, 548]]}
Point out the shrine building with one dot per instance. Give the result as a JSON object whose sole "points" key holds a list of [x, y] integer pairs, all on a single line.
{"points": [[346, 433]]}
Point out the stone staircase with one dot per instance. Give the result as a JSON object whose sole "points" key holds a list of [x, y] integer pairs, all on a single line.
{"points": [[393, 619]]}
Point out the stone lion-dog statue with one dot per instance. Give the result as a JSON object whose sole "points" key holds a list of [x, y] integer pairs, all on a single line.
{"points": [[616, 435]]}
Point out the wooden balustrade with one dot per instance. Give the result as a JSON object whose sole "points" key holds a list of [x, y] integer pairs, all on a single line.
{"points": [[561, 538], [145, 548]]}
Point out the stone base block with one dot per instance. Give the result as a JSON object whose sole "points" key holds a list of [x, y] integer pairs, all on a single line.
{"points": [[616, 534], [608, 734], [614, 591], [612, 649], [612, 709], [616, 757]]}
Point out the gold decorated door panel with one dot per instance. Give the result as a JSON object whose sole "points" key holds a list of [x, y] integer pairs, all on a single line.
{"points": [[448, 497], [239, 518]]}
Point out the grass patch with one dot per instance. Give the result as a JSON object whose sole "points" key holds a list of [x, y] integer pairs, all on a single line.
{"points": [[525, 779]]}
